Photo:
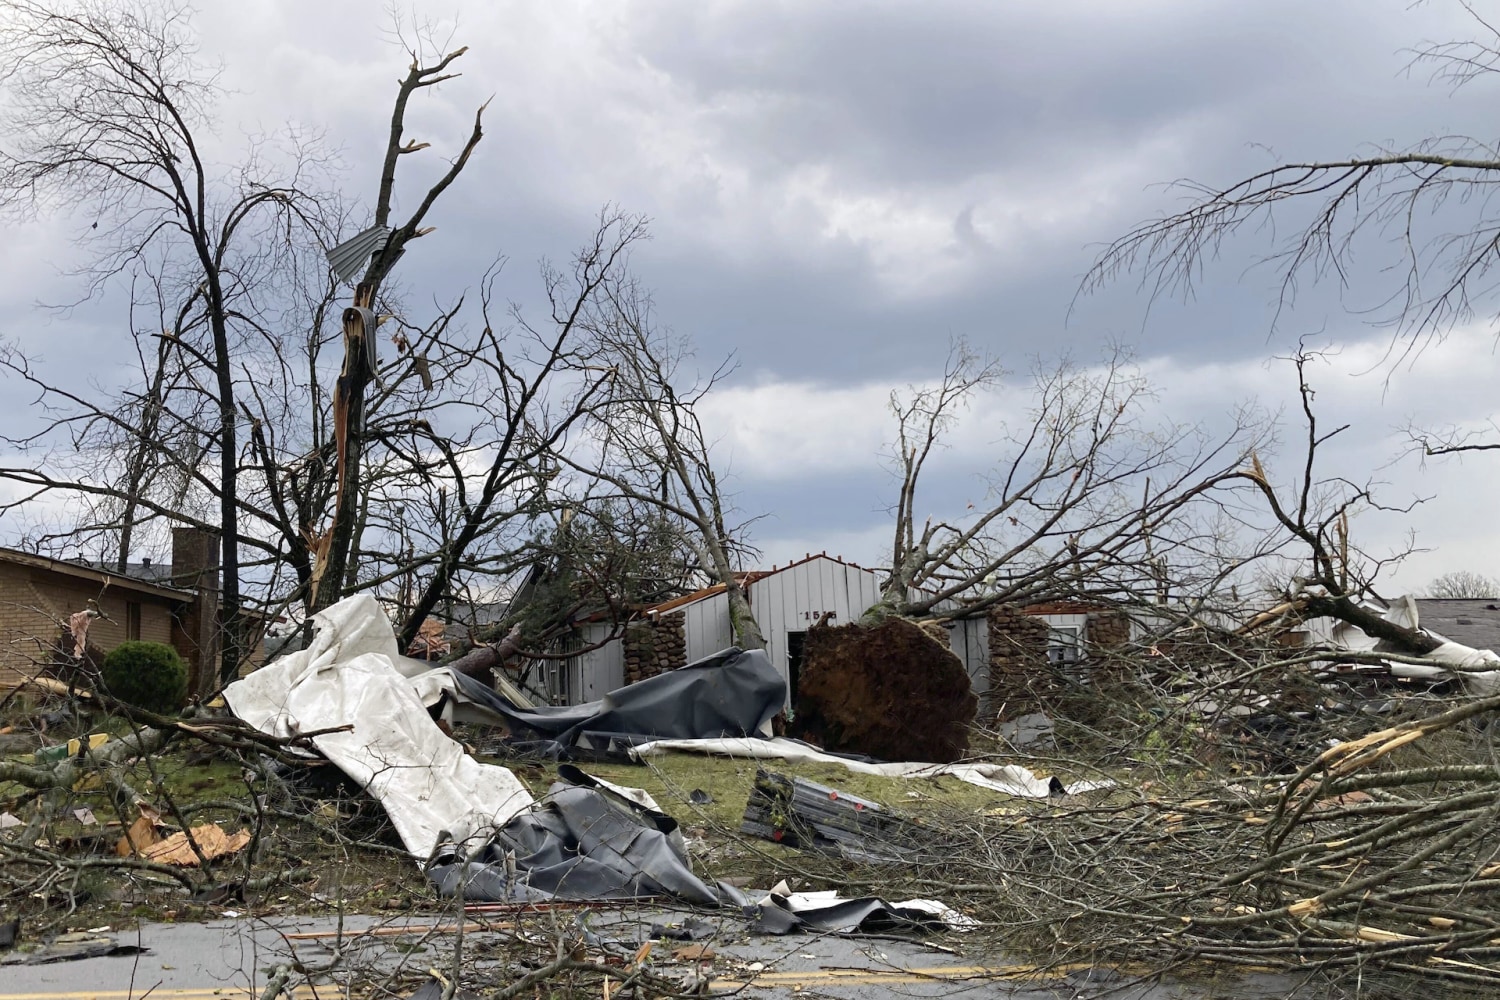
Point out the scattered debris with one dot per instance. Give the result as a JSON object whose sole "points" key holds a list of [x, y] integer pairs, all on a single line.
{"points": [[733, 693], [814, 817], [210, 838], [71, 947], [78, 626], [780, 912], [1008, 779], [690, 929], [1033, 732], [50, 755], [142, 833], [436, 795], [579, 842], [143, 839], [434, 989]]}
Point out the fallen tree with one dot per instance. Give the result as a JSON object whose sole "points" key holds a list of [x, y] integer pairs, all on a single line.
{"points": [[891, 690], [1376, 862]]}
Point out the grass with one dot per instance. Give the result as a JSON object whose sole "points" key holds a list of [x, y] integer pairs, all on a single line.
{"points": [[368, 880], [672, 777], [717, 847]]}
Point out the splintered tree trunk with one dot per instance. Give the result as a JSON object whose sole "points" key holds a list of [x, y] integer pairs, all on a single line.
{"points": [[747, 633]]}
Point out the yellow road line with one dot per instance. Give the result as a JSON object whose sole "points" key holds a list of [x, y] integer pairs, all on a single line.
{"points": [[898, 975], [161, 993]]}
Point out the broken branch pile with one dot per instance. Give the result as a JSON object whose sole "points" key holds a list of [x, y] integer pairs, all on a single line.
{"points": [[1381, 856]]}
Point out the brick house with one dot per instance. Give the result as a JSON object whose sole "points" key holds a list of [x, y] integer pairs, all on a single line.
{"points": [[175, 604]]}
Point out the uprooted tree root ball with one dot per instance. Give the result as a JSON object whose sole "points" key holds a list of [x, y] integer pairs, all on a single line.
{"points": [[890, 690]]}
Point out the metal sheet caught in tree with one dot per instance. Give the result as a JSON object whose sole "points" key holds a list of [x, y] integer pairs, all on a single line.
{"points": [[349, 256]]}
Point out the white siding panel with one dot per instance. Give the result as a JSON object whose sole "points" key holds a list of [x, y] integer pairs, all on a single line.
{"points": [[970, 640], [770, 606], [833, 589], [598, 671], [1080, 622], [706, 627]]}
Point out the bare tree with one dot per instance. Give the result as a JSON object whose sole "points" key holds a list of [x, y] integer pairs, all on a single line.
{"points": [[648, 442], [1334, 577], [1390, 212], [541, 383], [333, 547], [105, 107], [421, 473], [1462, 583], [1088, 501]]}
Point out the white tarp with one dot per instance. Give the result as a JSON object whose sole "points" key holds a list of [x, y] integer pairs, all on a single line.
{"points": [[810, 902], [1010, 779], [352, 674]]}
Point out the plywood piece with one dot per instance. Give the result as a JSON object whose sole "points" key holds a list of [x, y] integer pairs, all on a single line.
{"points": [[212, 841]]}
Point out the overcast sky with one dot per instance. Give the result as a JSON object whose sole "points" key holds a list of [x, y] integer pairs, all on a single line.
{"points": [[838, 188]]}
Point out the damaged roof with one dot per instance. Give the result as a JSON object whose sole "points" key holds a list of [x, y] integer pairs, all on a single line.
{"points": [[1470, 622]]}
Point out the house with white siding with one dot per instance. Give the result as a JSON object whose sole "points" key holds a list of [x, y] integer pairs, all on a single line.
{"points": [[787, 601]]}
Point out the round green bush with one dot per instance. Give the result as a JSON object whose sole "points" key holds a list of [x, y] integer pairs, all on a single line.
{"points": [[148, 675]]}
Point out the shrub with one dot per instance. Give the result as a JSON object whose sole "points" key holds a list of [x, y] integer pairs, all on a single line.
{"points": [[148, 675]]}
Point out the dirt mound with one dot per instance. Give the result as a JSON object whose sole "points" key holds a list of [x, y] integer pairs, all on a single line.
{"points": [[891, 691]]}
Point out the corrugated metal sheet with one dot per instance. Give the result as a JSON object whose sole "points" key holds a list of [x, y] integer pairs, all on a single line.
{"points": [[349, 256]]}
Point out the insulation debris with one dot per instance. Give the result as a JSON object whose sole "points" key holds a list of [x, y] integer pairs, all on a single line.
{"points": [[1008, 779], [212, 843]]}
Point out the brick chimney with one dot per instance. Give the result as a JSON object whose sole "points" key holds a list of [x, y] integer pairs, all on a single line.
{"points": [[195, 567]]}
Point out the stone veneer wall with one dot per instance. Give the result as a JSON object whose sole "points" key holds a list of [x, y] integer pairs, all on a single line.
{"points": [[1108, 631], [1021, 679], [1108, 634], [1019, 674], [654, 646]]}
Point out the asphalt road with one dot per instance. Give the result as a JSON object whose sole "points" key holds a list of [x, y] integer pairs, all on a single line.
{"points": [[231, 959]]}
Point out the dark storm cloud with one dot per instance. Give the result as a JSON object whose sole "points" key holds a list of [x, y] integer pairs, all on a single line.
{"points": [[928, 93], [909, 102], [839, 187]]}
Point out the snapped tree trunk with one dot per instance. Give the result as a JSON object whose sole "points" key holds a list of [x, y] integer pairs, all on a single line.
{"points": [[747, 633], [1413, 642]]}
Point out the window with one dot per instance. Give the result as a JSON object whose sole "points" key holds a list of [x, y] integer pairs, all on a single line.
{"points": [[1063, 644], [133, 621]]}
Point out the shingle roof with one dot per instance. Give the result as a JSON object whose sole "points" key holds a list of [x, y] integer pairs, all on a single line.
{"points": [[1472, 622], [104, 577], [150, 572]]}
